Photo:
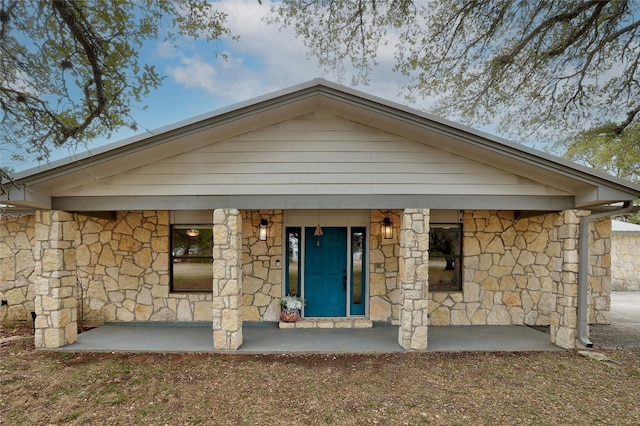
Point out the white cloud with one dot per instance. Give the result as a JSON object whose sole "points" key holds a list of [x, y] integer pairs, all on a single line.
{"points": [[194, 73], [267, 58]]}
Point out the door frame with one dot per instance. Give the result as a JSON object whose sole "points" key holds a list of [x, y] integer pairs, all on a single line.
{"points": [[328, 218]]}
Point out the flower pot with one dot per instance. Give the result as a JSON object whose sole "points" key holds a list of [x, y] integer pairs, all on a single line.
{"points": [[289, 315]]}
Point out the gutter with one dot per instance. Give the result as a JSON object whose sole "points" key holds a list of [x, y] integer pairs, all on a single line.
{"points": [[583, 265]]}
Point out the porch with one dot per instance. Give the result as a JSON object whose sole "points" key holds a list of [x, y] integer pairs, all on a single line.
{"points": [[266, 337]]}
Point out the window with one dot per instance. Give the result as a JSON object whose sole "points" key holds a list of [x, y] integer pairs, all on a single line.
{"points": [[191, 258], [445, 257], [293, 259], [358, 270]]}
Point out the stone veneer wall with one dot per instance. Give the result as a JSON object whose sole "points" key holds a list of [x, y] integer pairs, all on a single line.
{"points": [[600, 271], [513, 270], [384, 289], [625, 261], [261, 266], [17, 263], [123, 271]]}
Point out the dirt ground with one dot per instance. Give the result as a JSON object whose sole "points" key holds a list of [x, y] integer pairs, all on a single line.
{"points": [[42, 388]]}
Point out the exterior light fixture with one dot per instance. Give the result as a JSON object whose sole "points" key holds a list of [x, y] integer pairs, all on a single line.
{"points": [[262, 230], [193, 232], [387, 228], [318, 233]]}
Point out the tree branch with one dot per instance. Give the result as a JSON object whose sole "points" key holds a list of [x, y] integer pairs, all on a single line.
{"points": [[71, 14]]}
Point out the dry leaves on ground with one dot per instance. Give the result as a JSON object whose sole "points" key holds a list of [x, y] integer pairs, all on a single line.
{"points": [[41, 387]]}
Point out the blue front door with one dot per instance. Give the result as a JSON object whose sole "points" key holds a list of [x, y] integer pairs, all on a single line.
{"points": [[325, 273]]}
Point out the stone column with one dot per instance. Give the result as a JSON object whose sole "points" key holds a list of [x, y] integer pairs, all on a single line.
{"points": [[55, 271], [227, 279], [564, 321], [414, 279], [600, 272]]}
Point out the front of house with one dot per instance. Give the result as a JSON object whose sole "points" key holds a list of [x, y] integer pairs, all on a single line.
{"points": [[368, 210]]}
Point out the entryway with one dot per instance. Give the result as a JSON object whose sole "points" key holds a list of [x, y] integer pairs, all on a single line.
{"points": [[326, 264]]}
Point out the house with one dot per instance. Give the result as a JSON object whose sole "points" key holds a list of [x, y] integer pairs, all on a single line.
{"points": [[625, 256], [370, 210]]}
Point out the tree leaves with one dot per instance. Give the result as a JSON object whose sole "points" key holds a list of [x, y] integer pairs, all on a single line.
{"points": [[541, 68], [70, 71], [605, 149]]}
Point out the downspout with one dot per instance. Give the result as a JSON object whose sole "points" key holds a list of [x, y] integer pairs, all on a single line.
{"points": [[583, 274]]}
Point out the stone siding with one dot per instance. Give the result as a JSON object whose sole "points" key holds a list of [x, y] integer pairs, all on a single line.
{"points": [[384, 290], [516, 271], [17, 262], [507, 272], [123, 271], [625, 261], [600, 271], [513, 270], [261, 266]]}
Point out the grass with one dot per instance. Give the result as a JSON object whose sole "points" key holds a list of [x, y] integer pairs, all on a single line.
{"points": [[395, 389]]}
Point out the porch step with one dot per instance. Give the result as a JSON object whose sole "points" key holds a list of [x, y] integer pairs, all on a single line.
{"points": [[328, 323]]}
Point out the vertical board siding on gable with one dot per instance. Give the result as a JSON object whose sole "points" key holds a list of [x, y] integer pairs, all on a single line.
{"points": [[315, 154]]}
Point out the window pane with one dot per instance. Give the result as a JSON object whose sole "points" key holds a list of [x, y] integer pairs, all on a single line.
{"points": [[444, 240], [192, 274], [444, 274], [357, 241], [445, 256], [293, 258], [192, 258], [192, 241]]}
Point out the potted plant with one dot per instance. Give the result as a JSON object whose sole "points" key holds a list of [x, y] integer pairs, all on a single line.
{"points": [[291, 308]]}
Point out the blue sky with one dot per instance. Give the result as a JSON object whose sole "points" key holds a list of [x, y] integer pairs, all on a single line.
{"points": [[265, 59]]}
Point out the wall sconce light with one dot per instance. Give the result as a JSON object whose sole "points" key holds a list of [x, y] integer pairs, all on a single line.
{"points": [[262, 230], [387, 228], [193, 232]]}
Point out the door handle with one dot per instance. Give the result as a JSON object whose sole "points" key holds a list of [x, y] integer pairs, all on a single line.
{"points": [[344, 283]]}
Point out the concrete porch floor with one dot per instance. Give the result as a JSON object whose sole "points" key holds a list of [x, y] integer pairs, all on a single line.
{"points": [[268, 338]]}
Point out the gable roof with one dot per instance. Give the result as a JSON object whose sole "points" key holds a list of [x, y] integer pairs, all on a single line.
{"points": [[103, 179]]}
